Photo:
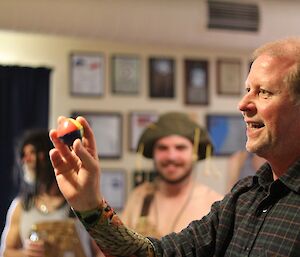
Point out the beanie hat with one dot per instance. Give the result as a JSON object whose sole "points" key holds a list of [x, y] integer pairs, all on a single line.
{"points": [[174, 123]]}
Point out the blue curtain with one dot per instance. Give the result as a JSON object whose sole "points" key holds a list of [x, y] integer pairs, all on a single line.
{"points": [[24, 101]]}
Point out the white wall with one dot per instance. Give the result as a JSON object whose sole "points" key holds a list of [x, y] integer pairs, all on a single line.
{"points": [[175, 22], [41, 50]]}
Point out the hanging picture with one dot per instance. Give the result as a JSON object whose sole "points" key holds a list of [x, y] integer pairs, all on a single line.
{"points": [[107, 127], [139, 120], [113, 184], [229, 77], [196, 82], [87, 74], [161, 72], [126, 71], [227, 131]]}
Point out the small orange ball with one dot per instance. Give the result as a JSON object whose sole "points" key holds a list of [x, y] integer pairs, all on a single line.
{"points": [[69, 130]]}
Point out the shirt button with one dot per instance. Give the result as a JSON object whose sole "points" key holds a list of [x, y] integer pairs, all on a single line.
{"points": [[247, 248]]}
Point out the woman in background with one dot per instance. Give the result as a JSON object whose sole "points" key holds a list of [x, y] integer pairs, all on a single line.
{"points": [[39, 200]]}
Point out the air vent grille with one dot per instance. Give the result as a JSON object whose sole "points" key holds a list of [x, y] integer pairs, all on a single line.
{"points": [[233, 16]]}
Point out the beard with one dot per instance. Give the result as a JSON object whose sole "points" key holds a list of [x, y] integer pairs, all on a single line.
{"points": [[178, 180]]}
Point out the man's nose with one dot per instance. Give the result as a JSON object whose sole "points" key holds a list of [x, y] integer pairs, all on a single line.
{"points": [[172, 154], [246, 104]]}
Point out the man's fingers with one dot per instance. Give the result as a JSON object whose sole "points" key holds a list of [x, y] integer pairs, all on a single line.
{"points": [[89, 162], [65, 152], [88, 137], [58, 162]]}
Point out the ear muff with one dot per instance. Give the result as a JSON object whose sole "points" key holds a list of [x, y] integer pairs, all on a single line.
{"points": [[139, 157], [196, 144], [208, 152], [195, 157]]}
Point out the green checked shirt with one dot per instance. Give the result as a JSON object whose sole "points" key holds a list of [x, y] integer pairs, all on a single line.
{"points": [[259, 218]]}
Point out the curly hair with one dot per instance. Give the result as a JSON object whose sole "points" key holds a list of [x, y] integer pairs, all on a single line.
{"points": [[45, 177]]}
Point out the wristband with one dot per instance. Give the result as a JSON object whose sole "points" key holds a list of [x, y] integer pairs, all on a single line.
{"points": [[89, 218]]}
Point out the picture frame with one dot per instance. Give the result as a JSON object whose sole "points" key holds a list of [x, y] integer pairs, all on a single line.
{"points": [[107, 127], [196, 82], [113, 185], [87, 74], [126, 74], [229, 77], [161, 77], [228, 133], [138, 121]]}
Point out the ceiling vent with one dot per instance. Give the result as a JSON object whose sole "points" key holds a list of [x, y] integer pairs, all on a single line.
{"points": [[233, 16]]}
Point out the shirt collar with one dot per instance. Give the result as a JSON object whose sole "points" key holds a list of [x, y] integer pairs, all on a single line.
{"points": [[290, 179]]}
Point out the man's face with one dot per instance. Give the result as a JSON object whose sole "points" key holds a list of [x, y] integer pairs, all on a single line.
{"points": [[173, 158], [271, 115]]}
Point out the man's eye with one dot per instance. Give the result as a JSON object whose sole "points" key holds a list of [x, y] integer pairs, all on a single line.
{"points": [[161, 148], [264, 92]]}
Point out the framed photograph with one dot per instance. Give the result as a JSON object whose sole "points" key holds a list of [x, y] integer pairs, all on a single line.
{"points": [[196, 82], [138, 121], [228, 133], [107, 127], [113, 185], [229, 77], [87, 74], [161, 72], [126, 72]]}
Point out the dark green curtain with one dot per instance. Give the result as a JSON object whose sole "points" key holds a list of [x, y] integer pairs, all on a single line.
{"points": [[24, 101]]}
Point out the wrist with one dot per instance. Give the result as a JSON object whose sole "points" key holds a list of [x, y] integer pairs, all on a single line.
{"points": [[85, 205], [91, 216]]}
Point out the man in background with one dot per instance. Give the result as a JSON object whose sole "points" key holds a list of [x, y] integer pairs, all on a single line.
{"points": [[175, 143]]}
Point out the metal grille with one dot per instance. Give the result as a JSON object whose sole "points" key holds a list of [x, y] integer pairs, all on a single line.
{"points": [[233, 16]]}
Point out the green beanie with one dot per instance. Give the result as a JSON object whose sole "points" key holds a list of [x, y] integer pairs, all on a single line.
{"points": [[173, 123]]}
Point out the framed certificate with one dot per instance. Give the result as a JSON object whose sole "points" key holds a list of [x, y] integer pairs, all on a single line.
{"points": [[107, 127], [87, 74], [229, 76], [113, 185], [138, 121], [126, 71]]}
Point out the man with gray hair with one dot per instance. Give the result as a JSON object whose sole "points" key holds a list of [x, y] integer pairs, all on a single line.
{"points": [[261, 214]]}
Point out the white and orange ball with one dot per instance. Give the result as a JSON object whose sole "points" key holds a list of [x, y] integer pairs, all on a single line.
{"points": [[69, 130]]}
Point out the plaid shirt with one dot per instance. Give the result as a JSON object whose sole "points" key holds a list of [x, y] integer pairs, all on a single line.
{"points": [[260, 217]]}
